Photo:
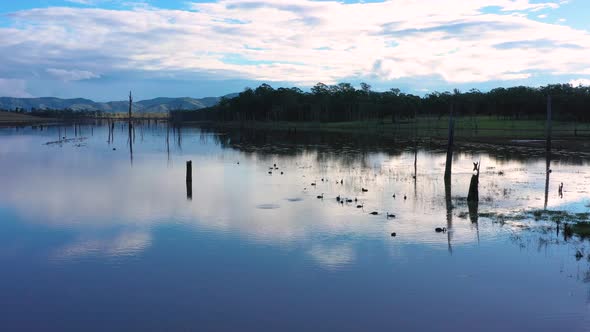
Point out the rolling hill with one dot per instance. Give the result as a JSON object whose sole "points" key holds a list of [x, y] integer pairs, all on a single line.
{"points": [[156, 105]]}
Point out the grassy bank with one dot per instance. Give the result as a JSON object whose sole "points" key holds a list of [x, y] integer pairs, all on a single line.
{"points": [[465, 127], [21, 119], [15, 119], [567, 136]]}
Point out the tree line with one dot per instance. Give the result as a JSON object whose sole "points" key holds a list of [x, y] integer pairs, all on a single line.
{"points": [[343, 102], [59, 113]]}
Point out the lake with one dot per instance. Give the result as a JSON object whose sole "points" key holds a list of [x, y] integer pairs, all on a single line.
{"points": [[96, 238]]}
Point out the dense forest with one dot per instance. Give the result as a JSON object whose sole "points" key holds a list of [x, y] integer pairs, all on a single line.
{"points": [[342, 102]]}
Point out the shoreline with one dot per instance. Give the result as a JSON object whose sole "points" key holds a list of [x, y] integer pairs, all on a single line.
{"points": [[567, 136], [9, 119], [525, 134]]}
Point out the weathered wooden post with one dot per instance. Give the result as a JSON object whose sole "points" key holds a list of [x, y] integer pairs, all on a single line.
{"points": [[189, 180], [189, 171]]}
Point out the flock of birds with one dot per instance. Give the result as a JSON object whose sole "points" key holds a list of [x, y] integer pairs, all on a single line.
{"points": [[343, 200], [273, 168]]}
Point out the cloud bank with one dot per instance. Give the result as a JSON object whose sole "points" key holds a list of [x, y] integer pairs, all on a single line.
{"points": [[299, 41]]}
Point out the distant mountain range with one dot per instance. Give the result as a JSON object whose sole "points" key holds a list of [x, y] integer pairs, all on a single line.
{"points": [[157, 105]]}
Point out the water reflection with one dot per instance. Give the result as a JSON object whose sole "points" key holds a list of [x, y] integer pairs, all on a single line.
{"points": [[449, 210], [547, 173], [131, 139], [229, 192], [107, 209]]}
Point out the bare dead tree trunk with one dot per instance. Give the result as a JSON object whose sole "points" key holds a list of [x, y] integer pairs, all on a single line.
{"points": [[473, 196], [449, 162], [415, 148], [130, 105], [548, 126], [548, 151], [130, 128], [448, 170]]}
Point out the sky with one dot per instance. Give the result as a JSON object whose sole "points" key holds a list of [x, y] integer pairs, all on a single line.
{"points": [[102, 49]]}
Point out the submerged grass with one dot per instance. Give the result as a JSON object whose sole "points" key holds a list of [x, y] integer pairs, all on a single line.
{"points": [[549, 215], [574, 223], [582, 229]]}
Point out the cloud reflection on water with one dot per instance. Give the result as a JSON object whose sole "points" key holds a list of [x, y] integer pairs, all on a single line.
{"points": [[88, 190]]}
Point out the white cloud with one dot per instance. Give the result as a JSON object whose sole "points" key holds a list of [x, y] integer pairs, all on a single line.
{"points": [[13, 88], [301, 41], [71, 75], [580, 81], [83, 2], [520, 5], [90, 2]]}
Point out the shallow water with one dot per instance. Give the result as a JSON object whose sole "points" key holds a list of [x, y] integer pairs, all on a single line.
{"points": [[93, 238]]}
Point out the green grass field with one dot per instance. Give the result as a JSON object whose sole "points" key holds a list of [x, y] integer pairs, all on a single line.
{"points": [[9, 119], [465, 127]]}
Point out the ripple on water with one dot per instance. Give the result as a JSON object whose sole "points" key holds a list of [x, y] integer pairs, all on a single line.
{"points": [[295, 199], [268, 206]]}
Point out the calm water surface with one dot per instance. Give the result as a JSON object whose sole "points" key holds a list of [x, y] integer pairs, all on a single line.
{"points": [[94, 239]]}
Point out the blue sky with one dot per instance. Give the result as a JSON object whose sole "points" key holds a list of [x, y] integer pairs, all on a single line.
{"points": [[100, 49]]}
